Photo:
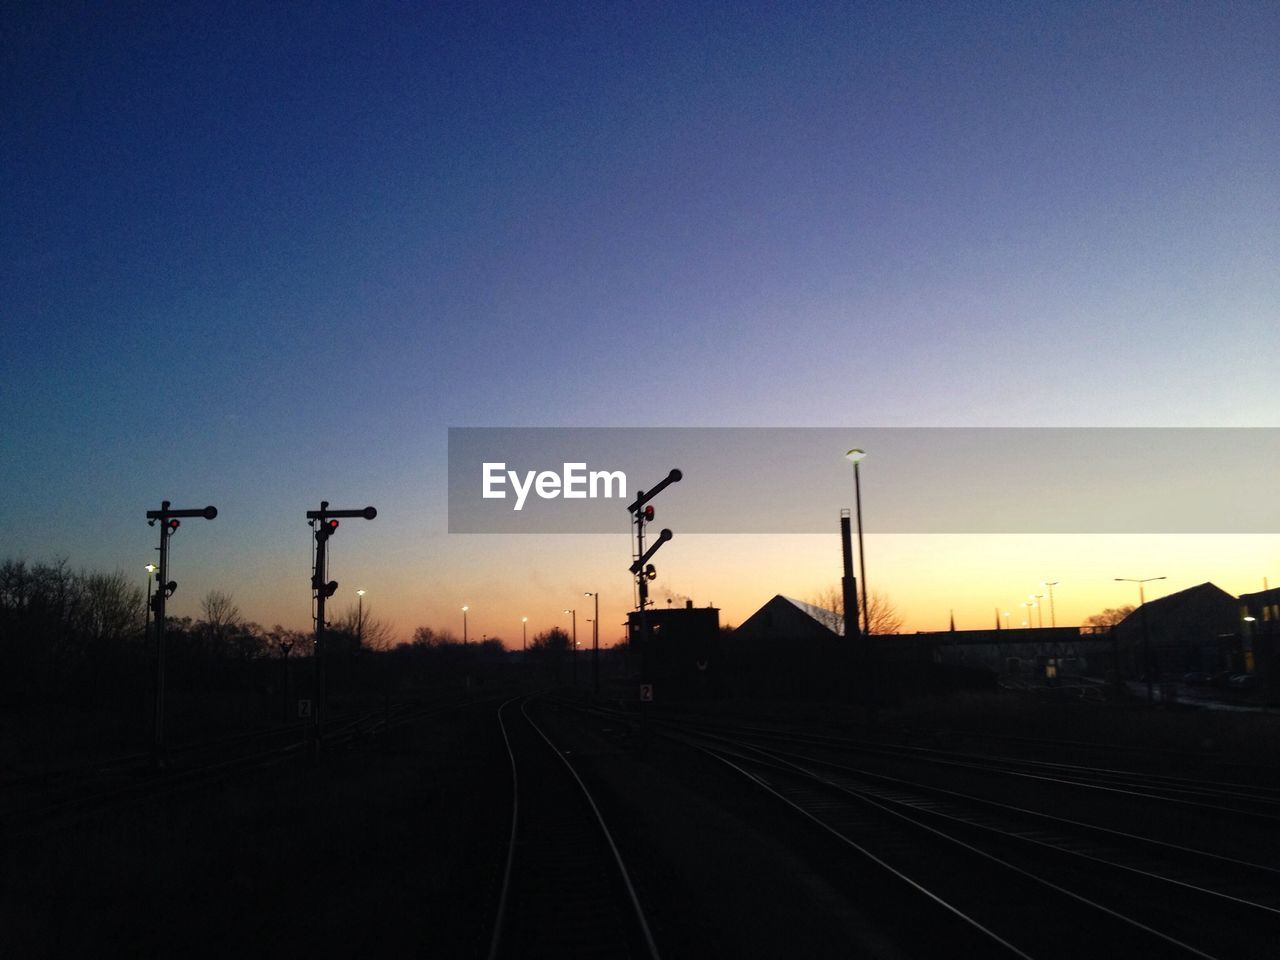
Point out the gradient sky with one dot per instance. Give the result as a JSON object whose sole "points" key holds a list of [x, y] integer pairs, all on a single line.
{"points": [[260, 255]]}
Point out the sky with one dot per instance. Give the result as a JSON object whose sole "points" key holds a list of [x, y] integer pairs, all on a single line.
{"points": [[264, 255]]}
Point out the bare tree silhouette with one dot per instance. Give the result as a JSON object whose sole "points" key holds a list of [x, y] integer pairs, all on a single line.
{"points": [[883, 615]]}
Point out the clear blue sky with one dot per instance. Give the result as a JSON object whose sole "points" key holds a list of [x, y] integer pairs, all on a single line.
{"points": [[258, 255]]}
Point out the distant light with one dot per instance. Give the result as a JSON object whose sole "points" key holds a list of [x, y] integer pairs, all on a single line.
{"points": [[361, 593], [855, 455], [151, 568], [524, 619], [1250, 619], [465, 609]]}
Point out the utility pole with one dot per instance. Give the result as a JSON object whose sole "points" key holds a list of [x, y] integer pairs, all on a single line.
{"points": [[1053, 613], [170, 520], [595, 646], [325, 523]]}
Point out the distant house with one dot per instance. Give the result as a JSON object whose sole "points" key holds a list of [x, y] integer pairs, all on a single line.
{"points": [[788, 648], [786, 618], [1192, 630]]}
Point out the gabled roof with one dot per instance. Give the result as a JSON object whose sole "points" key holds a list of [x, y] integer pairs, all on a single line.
{"points": [[821, 614], [786, 617]]}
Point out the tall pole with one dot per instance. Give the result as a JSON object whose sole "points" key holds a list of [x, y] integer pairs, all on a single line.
{"points": [[319, 580], [573, 651], [464, 625], [524, 633], [862, 559], [151, 569], [1053, 615], [162, 576], [360, 620], [325, 523], [595, 646], [1146, 643], [169, 522]]}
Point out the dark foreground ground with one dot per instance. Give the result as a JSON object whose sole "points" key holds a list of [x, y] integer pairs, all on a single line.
{"points": [[394, 847]]}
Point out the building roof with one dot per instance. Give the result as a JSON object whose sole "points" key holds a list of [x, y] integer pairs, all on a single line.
{"points": [[786, 617], [1172, 603]]}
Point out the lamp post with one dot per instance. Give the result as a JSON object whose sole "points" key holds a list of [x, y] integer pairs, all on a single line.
{"points": [[1039, 607], [524, 633], [573, 652], [1053, 614], [151, 569], [1146, 632], [1030, 605], [595, 645], [360, 620], [464, 625], [1005, 614]]}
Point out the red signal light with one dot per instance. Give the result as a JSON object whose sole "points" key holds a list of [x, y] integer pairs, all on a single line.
{"points": [[333, 525], [648, 512], [174, 524]]}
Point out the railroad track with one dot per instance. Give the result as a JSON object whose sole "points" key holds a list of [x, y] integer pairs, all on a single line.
{"points": [[565, 890], [1153, 896], [1011, 886], [1255, 802]]}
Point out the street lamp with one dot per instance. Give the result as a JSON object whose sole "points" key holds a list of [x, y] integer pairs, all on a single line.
{"points": [[1030, 605], [524, 633], [464, 625], [1039, 606], [573, 653], [151, 569], [1005, 614], [595, 644], [1053, 615], [1146, 632], [360, 620]]}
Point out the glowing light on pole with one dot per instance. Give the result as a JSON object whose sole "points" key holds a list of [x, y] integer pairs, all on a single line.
{"points": [[1053, 615], [595, 644], [1033, 597]]}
